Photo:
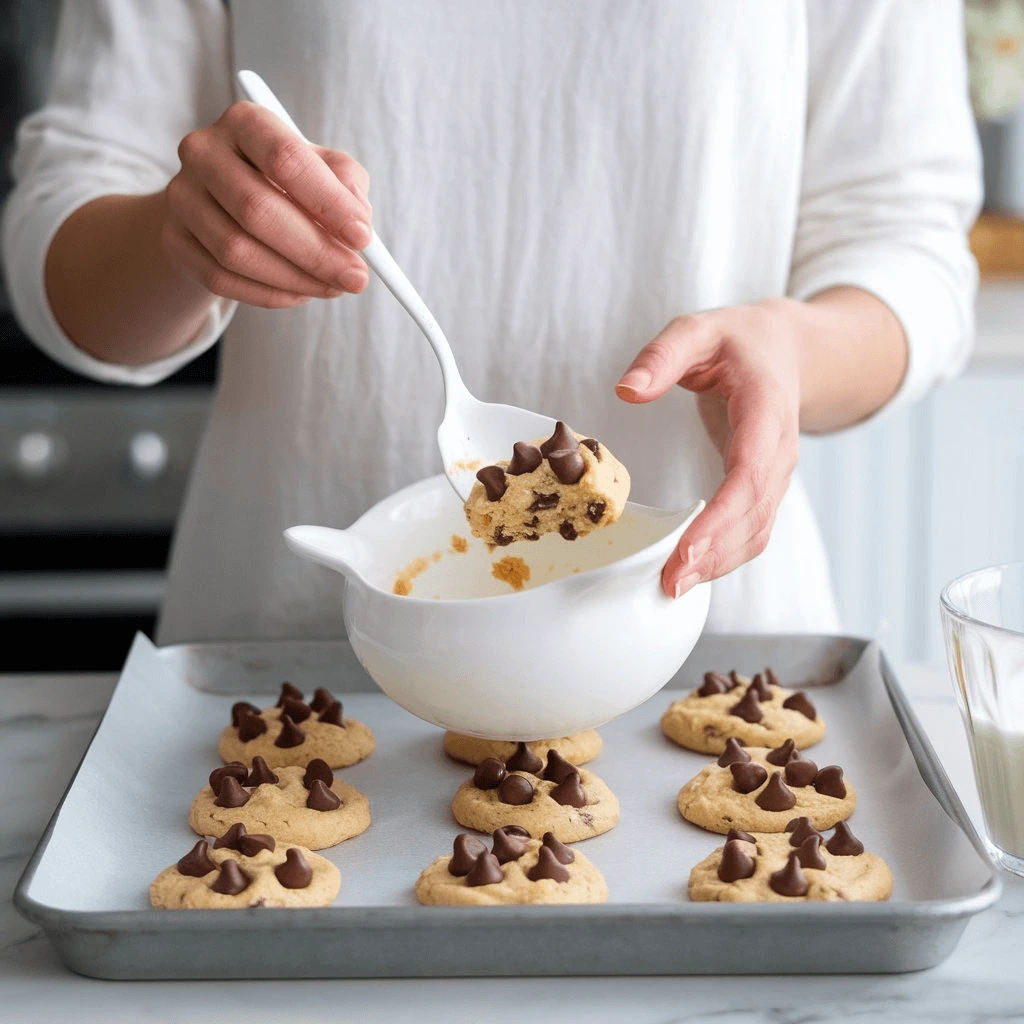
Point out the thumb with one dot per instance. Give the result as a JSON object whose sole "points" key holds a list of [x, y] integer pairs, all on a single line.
{"points": [[683, 343]]}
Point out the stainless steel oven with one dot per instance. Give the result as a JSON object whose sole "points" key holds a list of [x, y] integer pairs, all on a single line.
{"points": [[91, 476]]}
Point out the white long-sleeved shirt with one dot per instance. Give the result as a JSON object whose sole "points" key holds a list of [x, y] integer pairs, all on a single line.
{"points": [[559, 179]]}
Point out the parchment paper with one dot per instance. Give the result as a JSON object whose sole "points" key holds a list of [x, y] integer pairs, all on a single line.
{"points": [[125, 817]]}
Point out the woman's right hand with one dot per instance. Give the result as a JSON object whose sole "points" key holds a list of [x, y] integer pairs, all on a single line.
{"points": [[259, 215]]}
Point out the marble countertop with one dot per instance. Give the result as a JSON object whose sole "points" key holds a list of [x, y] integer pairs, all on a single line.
{"points": [[46, 723]]}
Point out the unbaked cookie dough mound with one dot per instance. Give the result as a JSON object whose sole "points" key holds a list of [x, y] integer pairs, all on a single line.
{"points": [[761, 790], [558, 797], [307, 806], [295, 733], [757, 712], [579, 748], [242, 870], [785, 868], [517, 870], [566, 484]]}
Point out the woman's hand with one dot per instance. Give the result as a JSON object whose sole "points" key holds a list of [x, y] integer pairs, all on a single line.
{"points": [[744, 364], [257, 214]]}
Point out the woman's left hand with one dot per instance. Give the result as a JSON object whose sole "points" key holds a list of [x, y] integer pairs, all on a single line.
{"points": [[743, 362]]}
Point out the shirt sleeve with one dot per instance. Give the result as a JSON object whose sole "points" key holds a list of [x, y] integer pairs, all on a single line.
{"points": [[130, 79], [892, 173]]}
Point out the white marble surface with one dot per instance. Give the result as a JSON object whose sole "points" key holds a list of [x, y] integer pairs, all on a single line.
{"points": [[46, 722]]}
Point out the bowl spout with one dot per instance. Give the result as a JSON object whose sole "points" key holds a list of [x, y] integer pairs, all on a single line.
{"points": [[340, 550]]}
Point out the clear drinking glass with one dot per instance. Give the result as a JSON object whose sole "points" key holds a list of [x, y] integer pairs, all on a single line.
{"points": [[983, 622]]}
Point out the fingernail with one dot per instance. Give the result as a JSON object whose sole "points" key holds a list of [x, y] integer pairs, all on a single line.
{"points": [[695, 552], [687, 583], [359, 234], [353, 280], [634, 382]]}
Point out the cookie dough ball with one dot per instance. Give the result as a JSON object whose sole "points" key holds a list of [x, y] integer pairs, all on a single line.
{"points": [[567, 484], [790, 867], [579, 748], [557, 797], [295, 733], [516, 870], [304, 806], [757, 712], [762, 790], [242, 870]]}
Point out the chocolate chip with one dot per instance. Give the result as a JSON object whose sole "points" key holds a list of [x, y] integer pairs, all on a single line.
{"points": [[289, 692], [596, 511], [290, 735], [525, 459], [829, 782], [232, 879], [508, 847], [561, 440], [535, 521], [517, 830], [736, 862], [489, 773], [318, 768], [532, 536], [493, 479], [235, 769], [524, 760], [260, 775], [734, 680], [801, 772], [251, 844], [230, 793], [747, 776], [570, 792], [713, 683], [296, 710], [295, 872], [331, 715], [322, 698], [562, 852], [801, 702], [485, 871], [735, 833], [760, 687], [749, 707], [465, 851], [250, 727], [516, 790], [790, 880], [809, 855], [242, 708], [229, 841], [593, 445], [568, 531], [844, 843], [547, 866], [558, 769], [568, 466], [733, 753], [542, 501], [776, 796], [197, 862], [783, 755], [502, 538], [321, 798], [800, 828], [773, 679]]}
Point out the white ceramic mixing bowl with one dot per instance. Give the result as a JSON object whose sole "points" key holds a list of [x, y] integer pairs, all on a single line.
{"points": [[589, 637]]}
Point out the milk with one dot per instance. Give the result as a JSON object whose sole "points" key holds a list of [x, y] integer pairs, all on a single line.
{"points": [[999, 769]]}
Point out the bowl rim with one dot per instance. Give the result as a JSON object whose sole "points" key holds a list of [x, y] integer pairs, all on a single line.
{"points": [[629, 561], [954, 611]]}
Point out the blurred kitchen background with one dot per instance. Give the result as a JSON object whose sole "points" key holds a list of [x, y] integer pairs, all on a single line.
{"points": [[91, 476]]}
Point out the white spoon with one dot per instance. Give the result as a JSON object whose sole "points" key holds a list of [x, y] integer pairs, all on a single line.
{"points": [[472, 434]]}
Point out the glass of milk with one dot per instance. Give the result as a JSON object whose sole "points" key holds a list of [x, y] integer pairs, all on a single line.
{"points": [[983, 622]]}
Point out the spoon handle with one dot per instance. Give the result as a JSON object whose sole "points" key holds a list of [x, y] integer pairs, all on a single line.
{"points": [[376, 255]]}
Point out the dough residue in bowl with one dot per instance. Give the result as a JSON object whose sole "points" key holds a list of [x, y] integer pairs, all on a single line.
{"points": [[511, 570], [403, 581]]}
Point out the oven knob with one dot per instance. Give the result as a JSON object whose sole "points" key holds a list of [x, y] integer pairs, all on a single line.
{"points": [[35, 455], [148, 454]]}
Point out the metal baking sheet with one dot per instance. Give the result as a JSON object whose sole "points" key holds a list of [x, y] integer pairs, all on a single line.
{"points": [[123, 819]]}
